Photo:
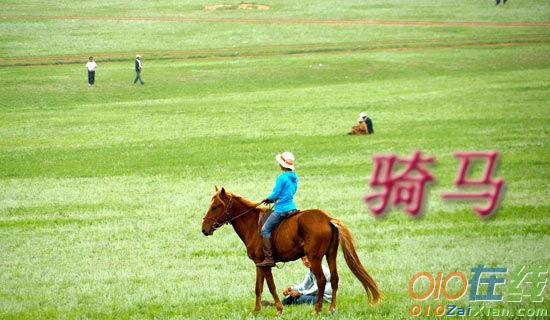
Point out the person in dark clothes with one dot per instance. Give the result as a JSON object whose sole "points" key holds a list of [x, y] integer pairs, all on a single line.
{"points": [[368, 122], [138, 66], [90, 66]]}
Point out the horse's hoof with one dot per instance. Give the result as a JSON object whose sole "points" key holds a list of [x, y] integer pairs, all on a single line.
{"points": [[332, 311], [314, 313], [279, 307]]}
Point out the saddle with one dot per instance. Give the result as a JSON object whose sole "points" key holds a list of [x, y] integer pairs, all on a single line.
{"points": [[263, 218]]}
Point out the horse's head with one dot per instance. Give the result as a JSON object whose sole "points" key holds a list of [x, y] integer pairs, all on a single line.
{"points": [[218, 213]]}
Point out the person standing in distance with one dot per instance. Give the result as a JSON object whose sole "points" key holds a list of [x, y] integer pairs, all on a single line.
{"points": [[138, 66], [91, 66]]}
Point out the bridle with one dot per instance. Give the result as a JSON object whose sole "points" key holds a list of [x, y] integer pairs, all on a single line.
{"points": [[226, 213]]}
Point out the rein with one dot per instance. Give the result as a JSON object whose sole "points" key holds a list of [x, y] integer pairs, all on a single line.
{"points": [[217, 224], [240, 214]]}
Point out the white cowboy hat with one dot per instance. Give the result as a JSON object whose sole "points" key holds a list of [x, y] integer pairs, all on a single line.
{"points": [[362, 115], [138, 56], [286, 159]]}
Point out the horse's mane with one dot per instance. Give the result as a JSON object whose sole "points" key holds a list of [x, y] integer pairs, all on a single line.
{"points": [[245, 201], [241, 199]]}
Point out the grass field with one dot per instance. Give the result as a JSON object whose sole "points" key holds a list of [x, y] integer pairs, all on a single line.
{"points": [[103, 189]]}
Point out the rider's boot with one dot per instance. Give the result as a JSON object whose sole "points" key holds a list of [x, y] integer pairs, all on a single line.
{"points": [[268, 255]]}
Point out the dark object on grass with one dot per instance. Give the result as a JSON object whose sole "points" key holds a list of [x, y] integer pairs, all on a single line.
{"points": [[370, 127]]}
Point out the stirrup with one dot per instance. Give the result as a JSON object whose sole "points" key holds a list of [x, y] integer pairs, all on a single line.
{"points": [[266, 263]]}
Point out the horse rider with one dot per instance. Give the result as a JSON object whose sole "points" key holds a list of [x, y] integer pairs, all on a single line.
{"points": [[282, 194]]}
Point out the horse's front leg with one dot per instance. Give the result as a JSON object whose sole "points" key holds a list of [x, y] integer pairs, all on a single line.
{"points": [[271, 285], [259, 289]]}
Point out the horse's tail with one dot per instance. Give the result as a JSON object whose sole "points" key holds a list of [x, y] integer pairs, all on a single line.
{"points": [[353, 262]]}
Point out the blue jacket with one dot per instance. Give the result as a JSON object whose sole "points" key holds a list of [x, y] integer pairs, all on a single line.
{"points": [[284, 190]]}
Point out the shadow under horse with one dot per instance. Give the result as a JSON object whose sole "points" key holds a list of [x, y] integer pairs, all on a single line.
{"points": [[311, 233]]}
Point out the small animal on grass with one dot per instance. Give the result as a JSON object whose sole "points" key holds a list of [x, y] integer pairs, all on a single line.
{"points": [[364, 125]]}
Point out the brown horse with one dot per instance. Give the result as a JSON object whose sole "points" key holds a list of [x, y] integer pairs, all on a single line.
{"points": [[312, 233]]}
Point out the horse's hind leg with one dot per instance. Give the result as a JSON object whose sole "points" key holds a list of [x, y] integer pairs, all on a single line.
{"points": [[321, 282], [332, 252], [271, 285], [259, 289]]}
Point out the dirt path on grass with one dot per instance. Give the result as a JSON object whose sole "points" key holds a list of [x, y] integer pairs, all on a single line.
{"points": [[283, 49], [288, 21]]}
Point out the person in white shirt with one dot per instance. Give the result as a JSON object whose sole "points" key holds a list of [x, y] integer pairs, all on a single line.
{"points": [[90, 66], [305, 292]]}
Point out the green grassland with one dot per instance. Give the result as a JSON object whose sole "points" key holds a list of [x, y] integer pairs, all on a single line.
{"points": [[103, 189]]}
